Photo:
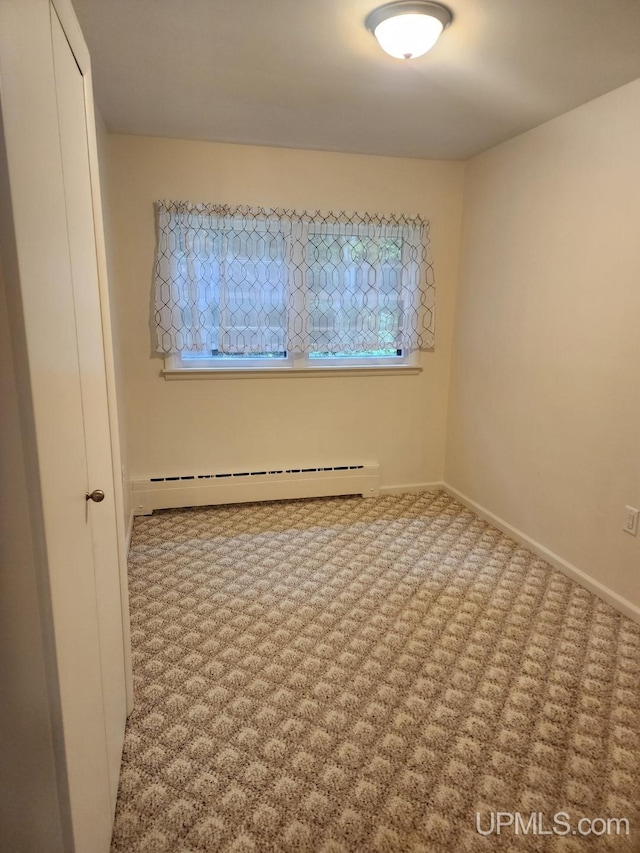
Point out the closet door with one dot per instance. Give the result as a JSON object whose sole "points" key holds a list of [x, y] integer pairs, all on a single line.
{"points": [[97, 762], [66, 721]]}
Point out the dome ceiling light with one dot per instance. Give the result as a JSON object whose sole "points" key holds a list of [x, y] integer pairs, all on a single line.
{"points": [[406, 29]]}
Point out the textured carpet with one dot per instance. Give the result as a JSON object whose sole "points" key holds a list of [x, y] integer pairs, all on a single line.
{"points": [[368, 675]]}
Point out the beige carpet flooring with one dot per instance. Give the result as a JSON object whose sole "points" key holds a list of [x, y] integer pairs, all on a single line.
{"points": [[367, 675]]}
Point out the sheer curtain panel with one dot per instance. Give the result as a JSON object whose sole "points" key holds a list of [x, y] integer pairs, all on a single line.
{"points": [[253, 281]]}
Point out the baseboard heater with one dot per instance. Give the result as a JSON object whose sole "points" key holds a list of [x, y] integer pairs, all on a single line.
{"points": [[168, 492]]}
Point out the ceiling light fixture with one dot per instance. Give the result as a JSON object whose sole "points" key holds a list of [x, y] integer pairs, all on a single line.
{"points": [[407, 29]]}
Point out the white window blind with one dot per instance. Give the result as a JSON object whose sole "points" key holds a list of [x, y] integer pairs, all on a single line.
{"points": [[252, 281]]}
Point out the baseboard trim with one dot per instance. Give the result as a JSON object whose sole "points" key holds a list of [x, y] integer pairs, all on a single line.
{"points": [[411, 488], [625, 607]]}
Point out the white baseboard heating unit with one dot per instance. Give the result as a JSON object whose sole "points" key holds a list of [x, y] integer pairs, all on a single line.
{"points": [[168, 492]]}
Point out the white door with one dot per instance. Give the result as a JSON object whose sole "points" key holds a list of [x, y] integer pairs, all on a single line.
{"points": [[99, 765]]}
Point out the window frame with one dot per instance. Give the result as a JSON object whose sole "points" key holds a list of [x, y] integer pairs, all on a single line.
{"points": [[192, 364], [180, 362], [298, 364]]}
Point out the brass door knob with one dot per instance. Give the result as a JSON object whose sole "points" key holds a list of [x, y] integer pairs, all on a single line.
{"points": [[96, 495]]}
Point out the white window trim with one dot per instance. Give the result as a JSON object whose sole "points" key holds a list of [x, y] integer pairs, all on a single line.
{"points": [[293, 366]]}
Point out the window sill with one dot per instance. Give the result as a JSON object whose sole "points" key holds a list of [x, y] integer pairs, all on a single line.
{"points": [[291, 373]]}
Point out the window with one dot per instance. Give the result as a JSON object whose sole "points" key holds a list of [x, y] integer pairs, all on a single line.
{"points": [[249, 288]]}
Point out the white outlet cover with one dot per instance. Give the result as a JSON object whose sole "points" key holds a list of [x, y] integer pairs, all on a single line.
{"points": [[631, 520]]}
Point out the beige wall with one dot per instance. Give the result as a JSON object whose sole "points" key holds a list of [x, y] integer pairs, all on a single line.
{"points": [[192, 425], [544, 427]]}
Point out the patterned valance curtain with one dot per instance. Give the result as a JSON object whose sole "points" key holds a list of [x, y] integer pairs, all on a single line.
{"points": [[247, 280]]}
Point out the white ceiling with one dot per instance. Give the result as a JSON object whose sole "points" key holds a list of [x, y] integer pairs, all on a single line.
{"points": [[306, 73]]}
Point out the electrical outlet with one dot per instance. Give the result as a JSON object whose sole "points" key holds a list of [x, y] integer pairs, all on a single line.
{"points": [[630, 520]]}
